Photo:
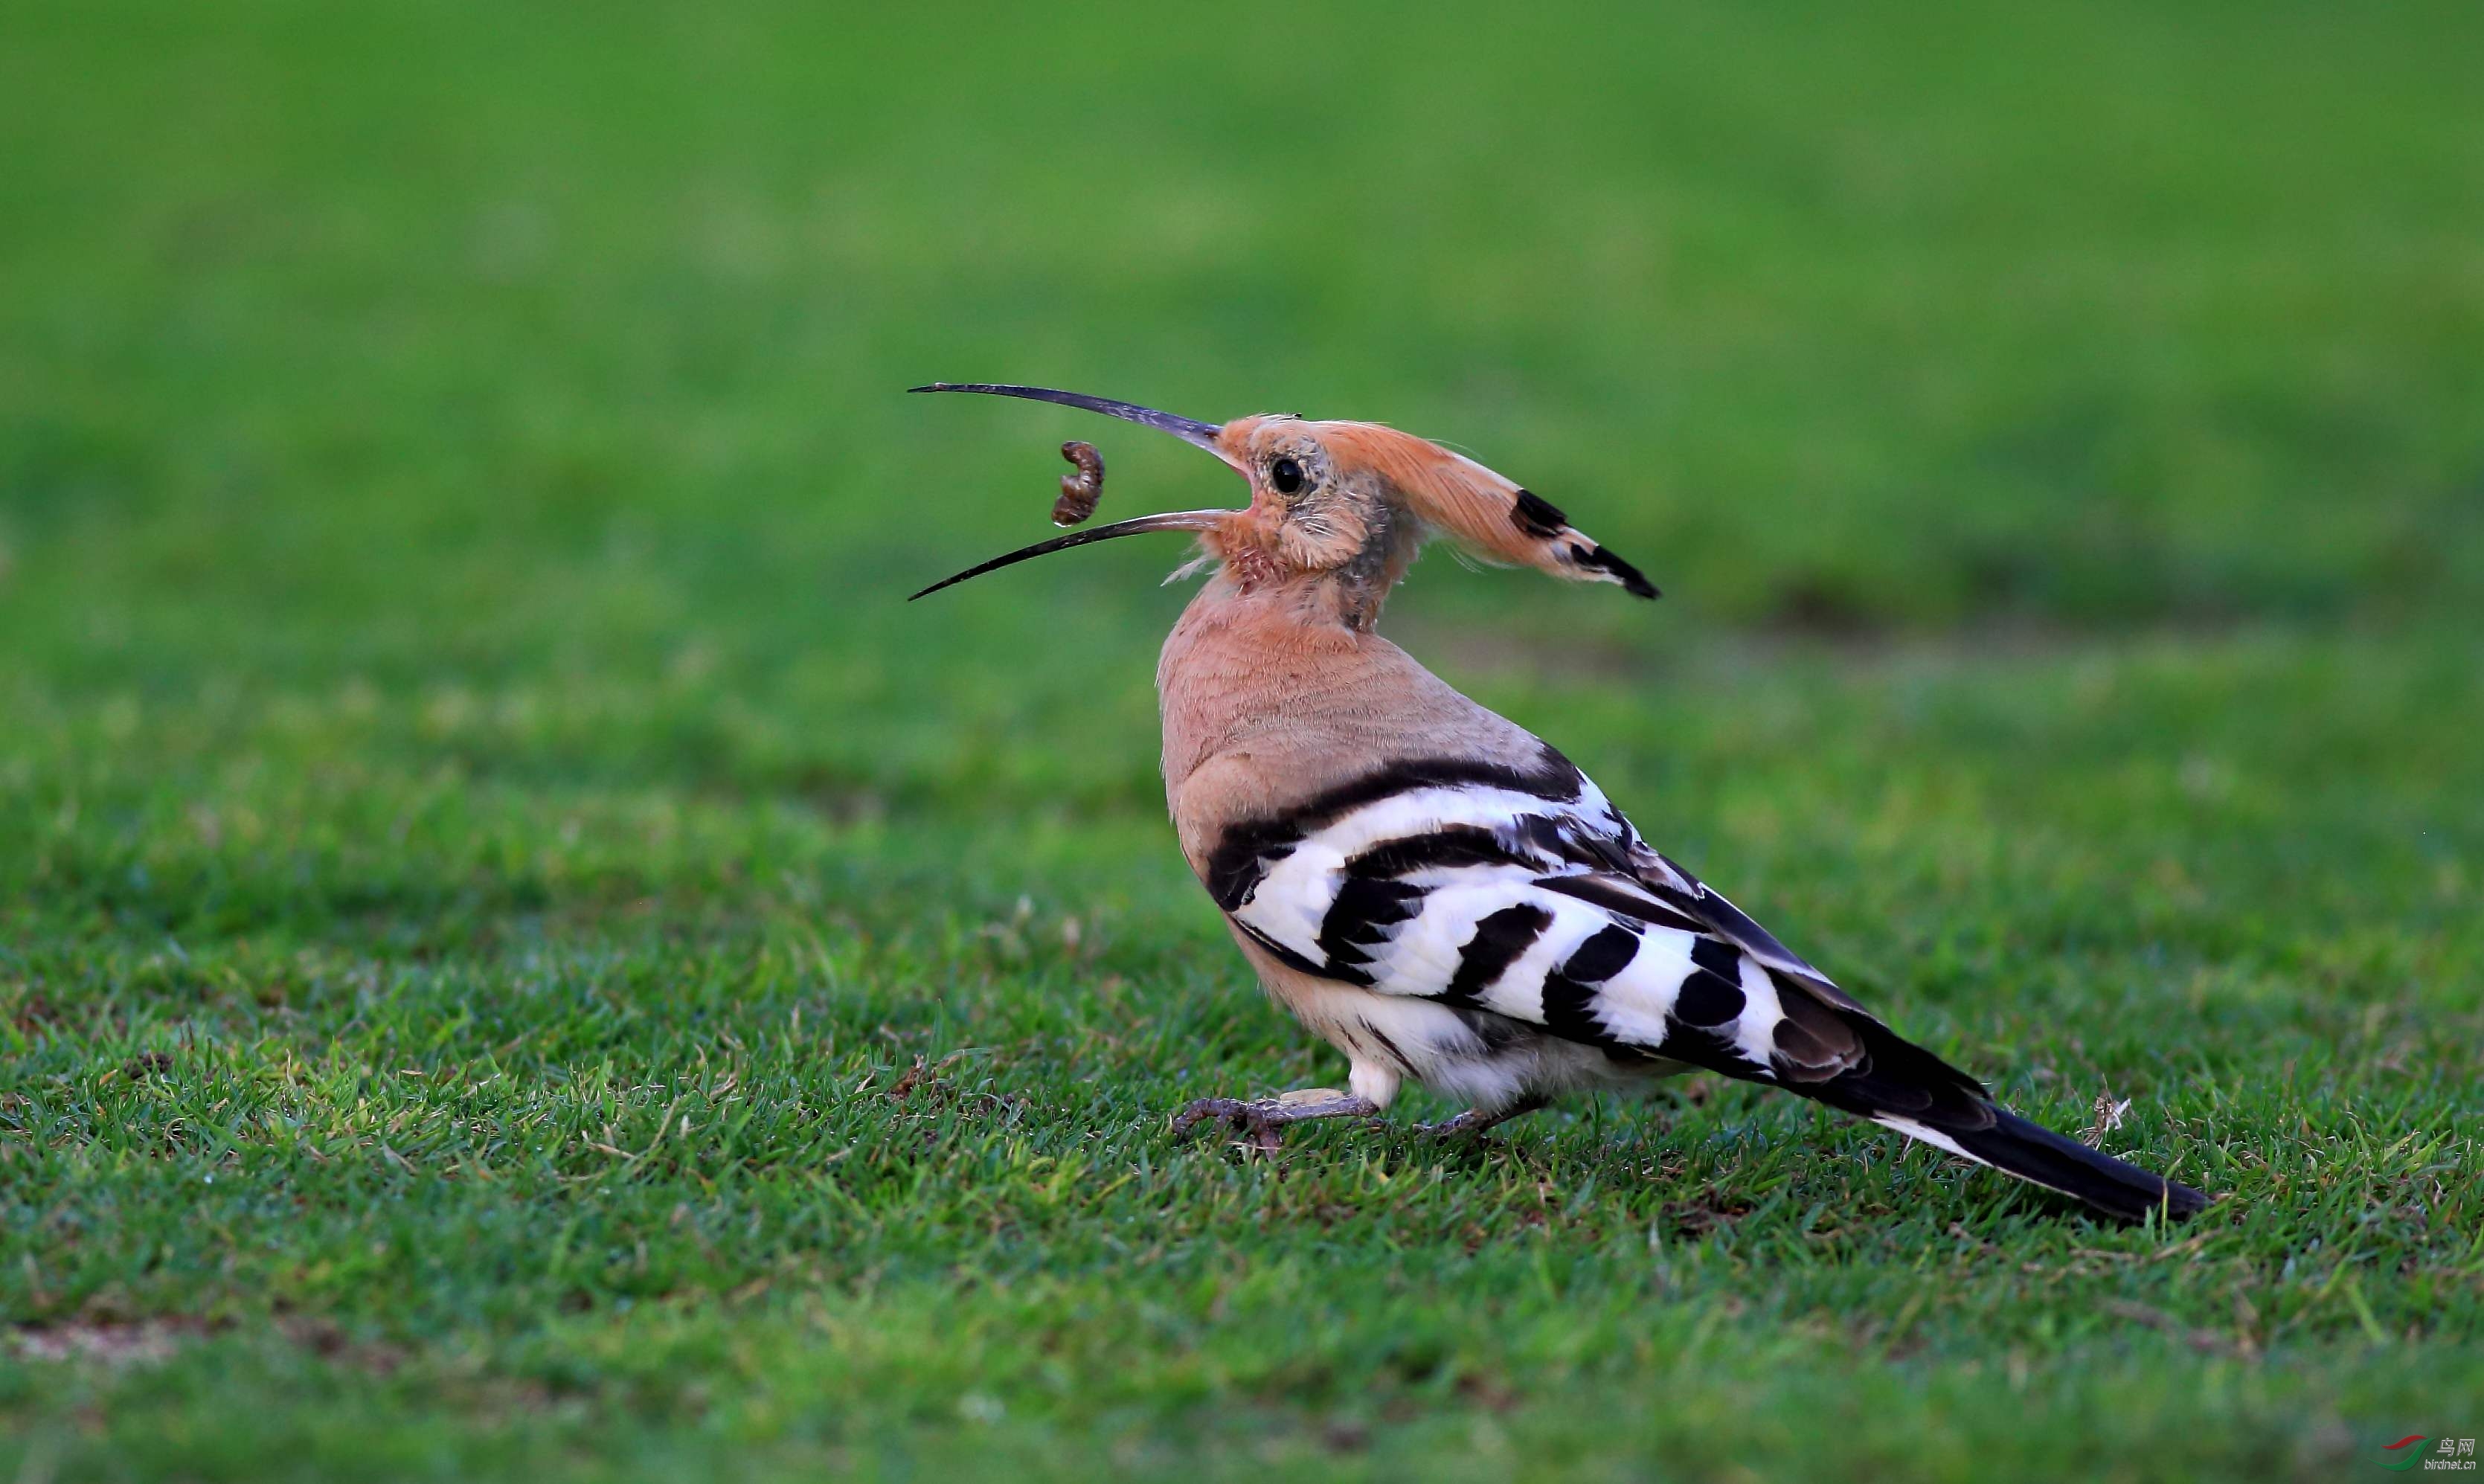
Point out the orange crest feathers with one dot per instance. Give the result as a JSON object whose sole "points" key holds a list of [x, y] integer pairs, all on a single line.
{"points": [[1490, 516]]}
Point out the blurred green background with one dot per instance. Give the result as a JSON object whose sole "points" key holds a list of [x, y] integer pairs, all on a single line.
{"points": [[427, 332], [456, 501]]}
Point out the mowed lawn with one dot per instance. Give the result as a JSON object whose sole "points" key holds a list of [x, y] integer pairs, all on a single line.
{"points": [[521, 956]]}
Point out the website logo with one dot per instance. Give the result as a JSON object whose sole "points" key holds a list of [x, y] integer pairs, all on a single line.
{"points": [[2446, 1454]]}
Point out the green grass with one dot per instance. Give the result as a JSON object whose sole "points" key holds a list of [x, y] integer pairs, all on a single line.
{"points": [[483, 847]]}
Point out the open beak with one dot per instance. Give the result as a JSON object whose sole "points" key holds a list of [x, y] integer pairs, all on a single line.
{"points": [[1201, 435], [1177, 520]]}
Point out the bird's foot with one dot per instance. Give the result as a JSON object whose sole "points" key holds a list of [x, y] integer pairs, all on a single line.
{"points": [[1474, 1120], [1256, 1123]]}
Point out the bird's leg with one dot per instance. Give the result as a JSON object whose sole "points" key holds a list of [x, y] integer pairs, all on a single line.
{"points": [[1475, 1120], [1257, 1122]]}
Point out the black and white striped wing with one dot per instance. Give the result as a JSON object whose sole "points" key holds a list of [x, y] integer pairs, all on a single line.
{"points": [[1524, 893]]}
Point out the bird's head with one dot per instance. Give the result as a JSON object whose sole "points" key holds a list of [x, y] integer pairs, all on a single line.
{"points": [[1337, 509]]}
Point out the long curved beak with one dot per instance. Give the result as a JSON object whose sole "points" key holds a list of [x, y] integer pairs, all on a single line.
{"points": [[1189, 430], [1177, 520]]}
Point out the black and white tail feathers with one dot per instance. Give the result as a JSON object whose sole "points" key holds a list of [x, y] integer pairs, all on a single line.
{"points": [[1902, 1085]]}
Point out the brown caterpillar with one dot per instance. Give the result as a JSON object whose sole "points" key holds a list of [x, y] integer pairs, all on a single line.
{"points": [[1079, 492]]}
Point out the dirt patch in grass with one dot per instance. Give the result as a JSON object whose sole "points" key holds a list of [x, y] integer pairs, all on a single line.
{"points": [[120, 1344], [114, 1343]]}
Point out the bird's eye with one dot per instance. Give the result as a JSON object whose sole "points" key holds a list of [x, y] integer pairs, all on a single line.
{"points": [[1286, 476]]}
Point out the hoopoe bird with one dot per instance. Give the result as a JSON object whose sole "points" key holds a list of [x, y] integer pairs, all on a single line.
{"points": [[1433, 890]]}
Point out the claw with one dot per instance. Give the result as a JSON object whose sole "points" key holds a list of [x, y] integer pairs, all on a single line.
{"points": [[1188, 1119], [1256, 1123], [1474, 1120]]}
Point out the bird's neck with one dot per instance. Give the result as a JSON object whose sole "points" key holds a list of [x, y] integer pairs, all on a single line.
{"points": [[1333, 567], [1265, 669], [1263, 709], [1248, 658]]}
